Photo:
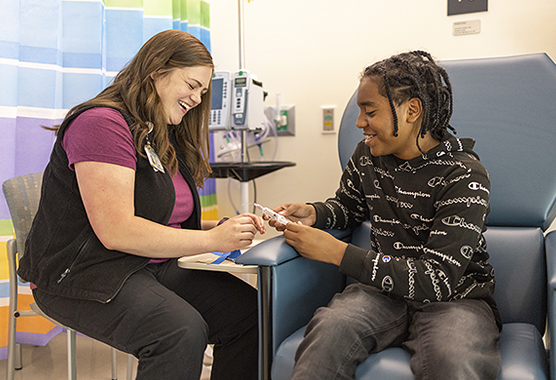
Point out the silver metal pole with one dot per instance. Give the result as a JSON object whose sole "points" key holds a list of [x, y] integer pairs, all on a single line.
{"points": [[241, 17], [265, 310], [244, 146]]}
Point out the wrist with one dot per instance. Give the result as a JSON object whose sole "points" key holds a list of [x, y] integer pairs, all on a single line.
{"points": [[312, 214], [341, 251]]}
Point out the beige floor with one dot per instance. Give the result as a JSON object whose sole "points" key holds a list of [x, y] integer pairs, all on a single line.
{"points": [[49, 362]]}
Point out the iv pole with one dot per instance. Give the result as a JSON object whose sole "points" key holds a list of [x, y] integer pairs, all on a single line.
{"points": [[241, 17], [245, 166], [264, 271], [244, 185]]}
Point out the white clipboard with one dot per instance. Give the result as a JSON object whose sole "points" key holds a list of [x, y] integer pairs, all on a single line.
{"points": [[203, 261]]}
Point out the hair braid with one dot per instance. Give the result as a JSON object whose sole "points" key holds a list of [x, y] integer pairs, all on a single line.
{"points": [[392, 106]]}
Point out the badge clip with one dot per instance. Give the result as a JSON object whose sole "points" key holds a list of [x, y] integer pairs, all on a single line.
{"points": [[154, 160]]}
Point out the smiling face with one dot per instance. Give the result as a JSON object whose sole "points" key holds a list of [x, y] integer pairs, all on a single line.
{"points": [[181, 89], [377, 122]]}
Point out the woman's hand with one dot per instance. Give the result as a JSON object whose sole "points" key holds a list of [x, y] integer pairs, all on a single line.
{"points": [[315, 244], [237, 232]]}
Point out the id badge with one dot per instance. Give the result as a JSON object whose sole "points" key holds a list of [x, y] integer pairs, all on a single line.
{"points": [[153, 159]]}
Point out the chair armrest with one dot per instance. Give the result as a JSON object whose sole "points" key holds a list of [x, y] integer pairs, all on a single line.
{"points": [[550, 250], [276, 251], [269, 253]]}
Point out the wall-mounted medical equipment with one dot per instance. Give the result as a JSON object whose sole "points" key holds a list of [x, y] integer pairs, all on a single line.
{"points": [[237, 102]]}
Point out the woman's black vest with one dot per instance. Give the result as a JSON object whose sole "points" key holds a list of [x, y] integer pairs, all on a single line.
{"points": [[63, 256]]}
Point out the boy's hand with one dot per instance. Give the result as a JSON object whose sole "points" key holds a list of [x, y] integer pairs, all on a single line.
{"points": [[315, 244], [296, 212]]}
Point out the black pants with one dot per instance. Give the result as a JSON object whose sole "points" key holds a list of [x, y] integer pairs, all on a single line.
{"points": [[165, 315]]}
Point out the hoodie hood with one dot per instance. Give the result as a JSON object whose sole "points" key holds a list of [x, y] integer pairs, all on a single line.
{"points": [[447, 149], [452, 144]]}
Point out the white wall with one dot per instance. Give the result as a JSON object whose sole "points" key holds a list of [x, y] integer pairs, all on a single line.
{"points": [[312, 51]]}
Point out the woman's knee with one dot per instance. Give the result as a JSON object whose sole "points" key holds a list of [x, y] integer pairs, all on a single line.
{"points": [[183, 324]]}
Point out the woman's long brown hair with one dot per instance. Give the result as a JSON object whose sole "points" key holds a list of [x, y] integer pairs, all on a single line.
{"points": [[133, 90]]}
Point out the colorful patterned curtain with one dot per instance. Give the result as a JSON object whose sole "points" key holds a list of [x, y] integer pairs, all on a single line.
{"points": [[55, 54]]}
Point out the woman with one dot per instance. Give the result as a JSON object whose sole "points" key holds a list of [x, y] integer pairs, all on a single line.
{"points": [[118, 207]]}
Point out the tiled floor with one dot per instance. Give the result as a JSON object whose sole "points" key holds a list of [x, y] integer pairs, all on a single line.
{"points": [[50, 362]]}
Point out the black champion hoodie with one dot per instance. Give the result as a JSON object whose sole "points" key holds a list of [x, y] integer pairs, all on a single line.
{"points": [[427, 222]]}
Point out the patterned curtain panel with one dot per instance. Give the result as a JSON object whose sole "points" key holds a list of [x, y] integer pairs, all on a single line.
{"points": [[55, 54]]}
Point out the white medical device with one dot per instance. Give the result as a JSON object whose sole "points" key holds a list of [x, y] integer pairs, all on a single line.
{"points": [[220, 101], [273, 215], [237, 102]]}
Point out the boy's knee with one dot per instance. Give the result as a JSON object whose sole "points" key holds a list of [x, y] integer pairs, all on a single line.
{"points": [[457, 364], [333, 324]]}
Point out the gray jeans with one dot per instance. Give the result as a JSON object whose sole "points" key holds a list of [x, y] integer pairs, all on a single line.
{"points": [[447, 340]]}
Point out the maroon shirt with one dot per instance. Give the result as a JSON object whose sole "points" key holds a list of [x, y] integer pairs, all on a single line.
{"points": [[102, 135]]}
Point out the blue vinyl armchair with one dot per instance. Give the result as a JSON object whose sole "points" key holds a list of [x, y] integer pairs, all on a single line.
{"points": [[509, 106]]}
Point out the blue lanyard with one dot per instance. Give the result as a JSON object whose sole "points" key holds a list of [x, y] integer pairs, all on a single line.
{"points": [[226, 255]]}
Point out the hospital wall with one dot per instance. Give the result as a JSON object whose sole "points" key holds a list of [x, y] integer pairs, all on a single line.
{"points": [[311, 52]]}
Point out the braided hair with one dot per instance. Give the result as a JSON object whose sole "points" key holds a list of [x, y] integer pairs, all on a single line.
{"points": [[416, 75]]}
